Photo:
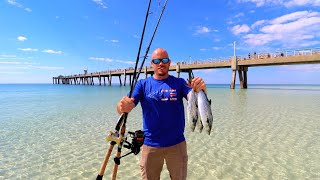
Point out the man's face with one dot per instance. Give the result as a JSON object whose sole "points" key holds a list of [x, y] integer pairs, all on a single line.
{"points": [[162, 68]]}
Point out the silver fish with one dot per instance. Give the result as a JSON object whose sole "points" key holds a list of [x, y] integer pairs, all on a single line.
{"points": [[192, 110], [205, 111], [199, 124]]}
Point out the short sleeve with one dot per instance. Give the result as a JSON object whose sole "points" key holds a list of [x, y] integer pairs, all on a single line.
{"points": [[185, 88], [137, 92]]}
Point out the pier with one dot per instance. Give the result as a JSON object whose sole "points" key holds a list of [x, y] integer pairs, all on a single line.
{"points": [[240, 64]]}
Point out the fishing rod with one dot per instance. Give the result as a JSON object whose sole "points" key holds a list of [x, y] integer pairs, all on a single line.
{"points": [[136, 77], [148, 48], [113, 137], [135, 74]]}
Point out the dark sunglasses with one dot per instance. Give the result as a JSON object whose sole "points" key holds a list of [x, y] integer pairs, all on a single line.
{"points": [[163, 60]]}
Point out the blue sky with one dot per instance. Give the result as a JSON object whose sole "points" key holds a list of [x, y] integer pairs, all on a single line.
{"points": [[42, 39]]}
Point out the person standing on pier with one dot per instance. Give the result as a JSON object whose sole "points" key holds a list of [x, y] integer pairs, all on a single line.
{"points": [[161, 97]]}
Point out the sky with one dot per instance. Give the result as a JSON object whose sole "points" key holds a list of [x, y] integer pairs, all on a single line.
{"points": [[44, 39]]}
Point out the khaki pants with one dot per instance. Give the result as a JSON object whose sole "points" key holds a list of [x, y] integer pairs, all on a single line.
{"points": [[152, 160]]}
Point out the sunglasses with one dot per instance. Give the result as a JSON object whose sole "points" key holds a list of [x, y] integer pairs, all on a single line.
{"points": [[163, 60]]}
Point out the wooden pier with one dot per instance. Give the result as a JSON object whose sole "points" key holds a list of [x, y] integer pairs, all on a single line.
{"points": [[236, 63]]}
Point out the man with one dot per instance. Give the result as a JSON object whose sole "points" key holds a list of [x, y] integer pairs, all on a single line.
{"points": [[161, 98]]}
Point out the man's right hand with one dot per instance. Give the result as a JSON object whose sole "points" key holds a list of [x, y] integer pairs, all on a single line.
{"points": [[126, 104]]}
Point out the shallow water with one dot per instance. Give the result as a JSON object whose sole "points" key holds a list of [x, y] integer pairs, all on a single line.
{"points": [[58, 132]]}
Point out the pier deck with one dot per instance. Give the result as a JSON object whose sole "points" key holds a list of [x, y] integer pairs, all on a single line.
{"points": [[240, 64]]}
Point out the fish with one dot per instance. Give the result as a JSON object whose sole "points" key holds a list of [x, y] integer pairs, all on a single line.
{"points": [[192, 110], [205, 112], [199, 124]]}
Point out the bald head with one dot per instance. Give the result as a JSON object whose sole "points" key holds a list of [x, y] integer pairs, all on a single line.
{"points": [[159, 53]]}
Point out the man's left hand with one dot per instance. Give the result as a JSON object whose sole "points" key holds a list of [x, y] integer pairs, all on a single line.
{"points": [[197, 84]]}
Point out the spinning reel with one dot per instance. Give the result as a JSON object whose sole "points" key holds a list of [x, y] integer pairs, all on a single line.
{"points": [[137, 139]]}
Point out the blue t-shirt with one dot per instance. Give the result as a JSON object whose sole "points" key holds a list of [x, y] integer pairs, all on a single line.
{"points": [[163, 111]]}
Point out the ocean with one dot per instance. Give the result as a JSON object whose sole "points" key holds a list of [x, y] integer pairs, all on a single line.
{"points": [[58, 132]]}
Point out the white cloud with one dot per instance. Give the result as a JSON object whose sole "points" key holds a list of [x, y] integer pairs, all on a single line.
{"points": [[7, 56], [21, 38], [204, 49], [240, 29], [258, 39], [28, 9], [16, 62], [257, 24], [14, 3], [293, 30], [210, 49], [292, 27], [286, 3], [239, 15], [258, 3], [101, 59], [11, 72], [113, 40], [27, 49], [302, 3], [50, 51], [293, 16], [204, 29], [10, 57], [100, 3], [11, 67], [27, 67], [216, 48], [111, 60], [230, 22], [126, 62]]}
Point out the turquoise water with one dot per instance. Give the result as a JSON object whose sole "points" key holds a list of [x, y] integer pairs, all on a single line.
{"points": [[58, 131]]}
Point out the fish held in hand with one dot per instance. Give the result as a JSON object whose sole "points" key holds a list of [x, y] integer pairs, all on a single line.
{"points": [[205, 111], [199, 125], [192, 110]]}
